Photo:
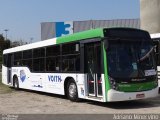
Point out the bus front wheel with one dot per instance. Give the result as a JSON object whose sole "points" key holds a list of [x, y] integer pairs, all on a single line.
{"points": [[15, 82], [72, 92]]}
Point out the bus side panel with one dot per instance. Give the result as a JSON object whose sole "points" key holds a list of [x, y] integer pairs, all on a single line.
{"points": [[47, 82], [4, 75], [54, 83], [81, 85], [28, 80], [23, 75]]}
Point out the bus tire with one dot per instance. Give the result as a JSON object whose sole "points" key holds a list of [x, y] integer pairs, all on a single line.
{"points": [[72, 92], [15, 82]]}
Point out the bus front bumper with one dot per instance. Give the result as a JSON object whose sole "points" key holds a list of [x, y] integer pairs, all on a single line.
{"points": [[114, 95]]}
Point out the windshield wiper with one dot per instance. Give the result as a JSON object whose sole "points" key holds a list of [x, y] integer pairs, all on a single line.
{"points": [[147, 55]]}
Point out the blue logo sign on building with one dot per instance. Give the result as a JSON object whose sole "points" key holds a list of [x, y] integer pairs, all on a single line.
{"points": [[64, 28]]}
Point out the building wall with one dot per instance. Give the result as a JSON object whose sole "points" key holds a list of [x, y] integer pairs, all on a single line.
{"points": [[57, 29], [48, 30], [150, 15]]}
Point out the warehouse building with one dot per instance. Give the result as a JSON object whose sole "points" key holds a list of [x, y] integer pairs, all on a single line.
{"points": [[57, 29]]}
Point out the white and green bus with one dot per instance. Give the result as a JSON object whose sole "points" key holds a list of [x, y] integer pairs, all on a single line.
{"points": [[106, 64]]}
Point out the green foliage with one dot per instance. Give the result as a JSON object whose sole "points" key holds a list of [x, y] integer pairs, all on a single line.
{"points": [[0, 60], [4, 44]]}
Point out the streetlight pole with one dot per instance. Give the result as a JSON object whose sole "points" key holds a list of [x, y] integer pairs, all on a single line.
{"points": [[6, 30]]}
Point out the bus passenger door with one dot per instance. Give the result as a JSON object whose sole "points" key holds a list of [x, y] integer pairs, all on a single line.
{"points": [[92, 60], [9, 66]]}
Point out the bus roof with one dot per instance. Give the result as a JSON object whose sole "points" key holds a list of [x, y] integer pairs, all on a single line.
{"points": [[81, 35], [31, 46], [93, 33], [68, 38]]}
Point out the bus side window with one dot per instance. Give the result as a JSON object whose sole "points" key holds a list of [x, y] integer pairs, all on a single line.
{"points": [[18, 58], [53, 58], [39, 60], [52, 64], [27, 59], [77, 63], [70, 57], [65, 65]]}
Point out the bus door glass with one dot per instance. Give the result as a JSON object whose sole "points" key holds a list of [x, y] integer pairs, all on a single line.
{"points": [[157, 51], [9, 65], [93, 68]]}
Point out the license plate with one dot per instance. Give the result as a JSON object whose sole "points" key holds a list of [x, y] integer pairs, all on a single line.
{"points": [[140, 96]]}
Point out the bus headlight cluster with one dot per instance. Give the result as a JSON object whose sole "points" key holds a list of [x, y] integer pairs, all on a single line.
{"points": [[113, 83]]}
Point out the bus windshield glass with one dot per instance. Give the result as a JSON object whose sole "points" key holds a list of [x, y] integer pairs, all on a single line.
{"points": [[130, 58]]}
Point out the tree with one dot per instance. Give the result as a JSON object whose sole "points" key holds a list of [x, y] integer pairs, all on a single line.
{"points": [[4, 44], [1, 42], [0, 59], [7, 44]]}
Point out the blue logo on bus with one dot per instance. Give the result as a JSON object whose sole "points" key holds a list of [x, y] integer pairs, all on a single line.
{"points": [[54, 78], [22, 75]]}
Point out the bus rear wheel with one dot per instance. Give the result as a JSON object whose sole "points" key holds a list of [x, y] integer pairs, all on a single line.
{"points": [[72, 92], [15, 83]]}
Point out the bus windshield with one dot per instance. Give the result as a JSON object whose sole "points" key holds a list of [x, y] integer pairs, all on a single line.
{"points": [[130, 59]]}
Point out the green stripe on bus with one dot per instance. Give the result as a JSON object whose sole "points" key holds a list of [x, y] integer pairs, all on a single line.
{"points": [[80, 36], [107, 84], [137, 86]]}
